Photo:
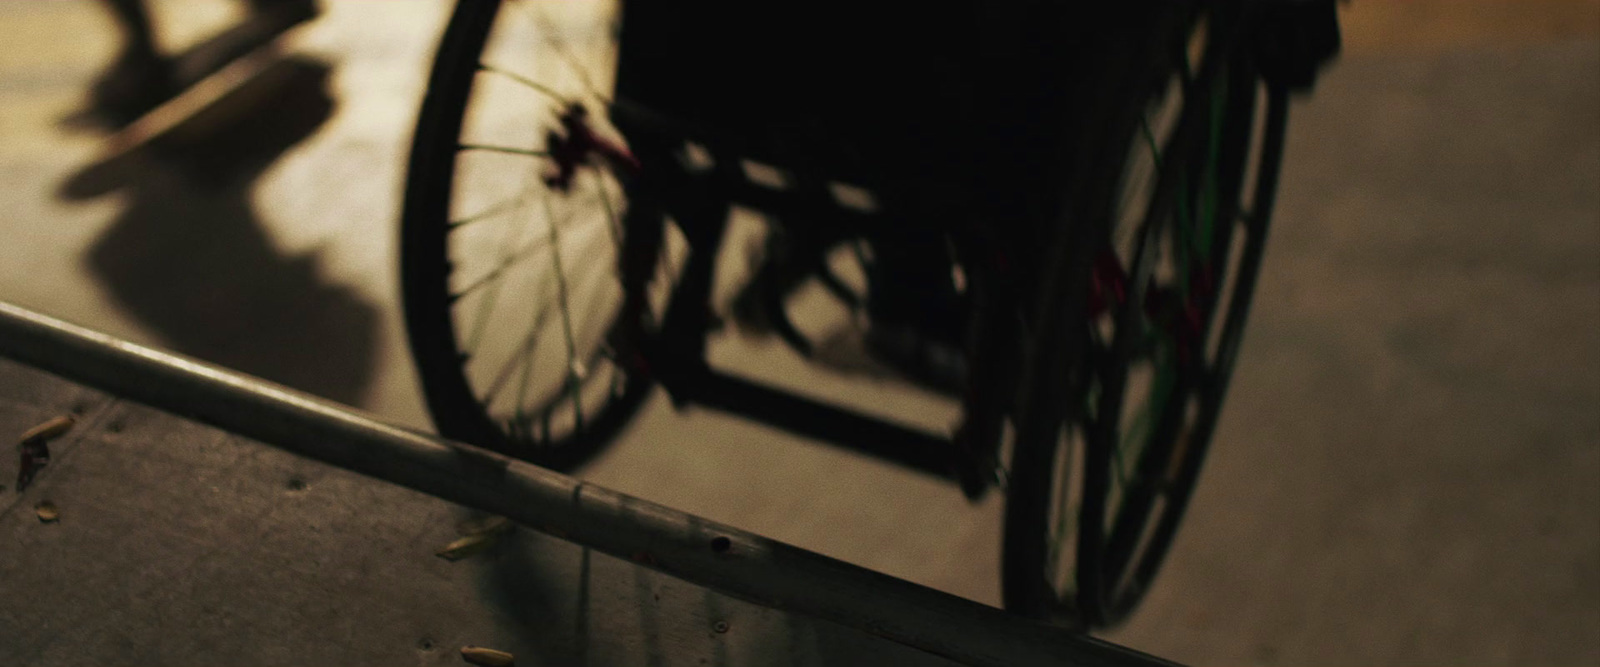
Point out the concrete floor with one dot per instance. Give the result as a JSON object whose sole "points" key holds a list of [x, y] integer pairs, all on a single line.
{"points": [[177, 543], [1406, 471]]}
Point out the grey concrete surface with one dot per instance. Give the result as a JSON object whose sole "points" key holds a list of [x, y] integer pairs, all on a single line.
{"points": [[1406, 471], [181, 544]]}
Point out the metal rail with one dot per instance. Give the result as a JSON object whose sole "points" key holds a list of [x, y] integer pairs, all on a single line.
{"points": [[732, 561]]}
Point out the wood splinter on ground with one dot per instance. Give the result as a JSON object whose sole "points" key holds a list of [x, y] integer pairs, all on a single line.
{"points": [[479, 535], [49, 430], [487, 657]]}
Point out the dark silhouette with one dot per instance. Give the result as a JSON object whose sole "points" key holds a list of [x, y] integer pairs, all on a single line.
{"points": [[190, 258], [142, 77]]}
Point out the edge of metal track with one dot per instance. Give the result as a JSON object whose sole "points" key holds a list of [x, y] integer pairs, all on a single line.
{"points": [[697, 550]]}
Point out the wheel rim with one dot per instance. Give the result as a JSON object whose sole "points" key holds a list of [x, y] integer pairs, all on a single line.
{"points": [[526, 283], [1159, 352]]}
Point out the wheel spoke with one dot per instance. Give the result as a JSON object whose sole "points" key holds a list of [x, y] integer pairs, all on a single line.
{"points": [[1066, 518], [1183, 240], [575, 388], [485, 214], [548, 30], [526, 375], [613, 223], [529, 248], [508, 150], [1208, 189], [1150, 140], [1131, 188], [1135, 436], [525, 349], [1180, 454], [530, 83], [480, 318], [1064, 526], [566, 314]]}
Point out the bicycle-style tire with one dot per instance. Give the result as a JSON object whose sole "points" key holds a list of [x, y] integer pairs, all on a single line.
{"points": [[1085, 481], [450, 326]]}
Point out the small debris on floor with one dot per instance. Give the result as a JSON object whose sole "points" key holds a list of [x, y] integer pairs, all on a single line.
{"points": [[47, 512], [479, 534], [486, 657], [35, 448], [50, 430]]}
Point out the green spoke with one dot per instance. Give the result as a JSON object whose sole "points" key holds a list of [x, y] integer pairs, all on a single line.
{"points": [[1183, 249], [1132, 188], [1185, 71], [1135, 436], [1183, 231], [1208, 193]]}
